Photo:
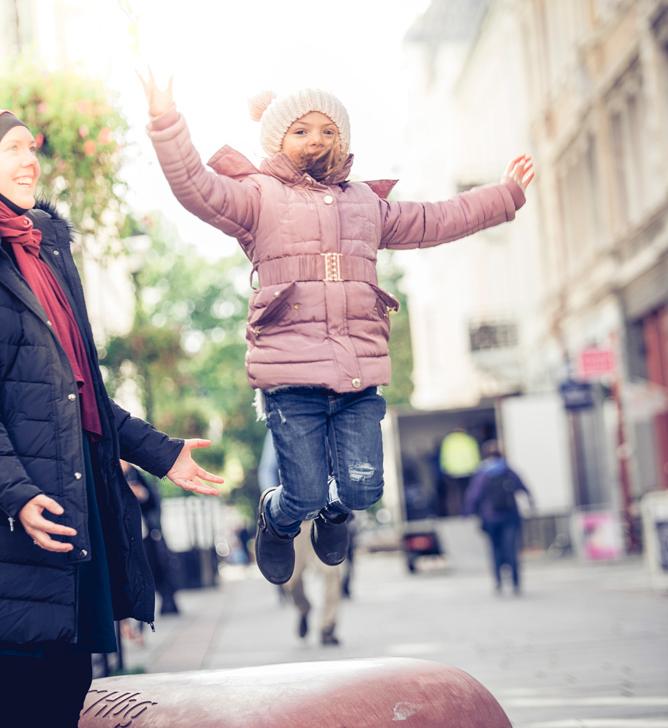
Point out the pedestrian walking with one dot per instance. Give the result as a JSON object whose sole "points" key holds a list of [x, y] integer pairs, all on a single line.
{"points": [[492, 495], [318, 324], [71, 559], [330, 577], [458, 458], [159, 556]]}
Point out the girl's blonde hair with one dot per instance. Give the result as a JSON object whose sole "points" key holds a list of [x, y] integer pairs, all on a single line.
{"points": [[326, 164]]}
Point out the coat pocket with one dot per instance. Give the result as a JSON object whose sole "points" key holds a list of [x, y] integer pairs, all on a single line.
{"points": [[262, 313], [385, 302]]}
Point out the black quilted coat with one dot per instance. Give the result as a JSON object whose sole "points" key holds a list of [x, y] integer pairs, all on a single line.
{"points": [[41, 451]]}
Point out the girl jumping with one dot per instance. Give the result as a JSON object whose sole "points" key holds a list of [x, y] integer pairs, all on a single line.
{"points": [[318, 324]]}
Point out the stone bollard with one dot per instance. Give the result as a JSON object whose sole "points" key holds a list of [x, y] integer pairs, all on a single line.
{"points": [[369, 693]]}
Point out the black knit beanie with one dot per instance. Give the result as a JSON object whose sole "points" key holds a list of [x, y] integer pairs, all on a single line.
{"points": [[8, 121]]}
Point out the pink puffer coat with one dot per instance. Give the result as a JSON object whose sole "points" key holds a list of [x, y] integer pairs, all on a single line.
{"points": [[318, 317]]}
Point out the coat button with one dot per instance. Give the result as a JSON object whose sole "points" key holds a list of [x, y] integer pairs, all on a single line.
{"points": [[77, 476], [357, 383], [71, 397], [276, 294], [56, 252], [48, 323], [328, 199], [83, 553]]}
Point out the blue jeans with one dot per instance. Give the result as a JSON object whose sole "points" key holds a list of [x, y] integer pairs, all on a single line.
{"points": [[318, 433], [504, 538]]}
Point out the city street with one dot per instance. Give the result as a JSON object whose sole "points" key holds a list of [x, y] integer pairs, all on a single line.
{"points": [[586, 646]]}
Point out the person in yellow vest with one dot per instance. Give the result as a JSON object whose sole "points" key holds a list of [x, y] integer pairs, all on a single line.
{"points": [[459, 458]]}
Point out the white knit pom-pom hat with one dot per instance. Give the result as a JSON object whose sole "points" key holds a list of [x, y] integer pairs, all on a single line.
{"points": [[277, 114]]}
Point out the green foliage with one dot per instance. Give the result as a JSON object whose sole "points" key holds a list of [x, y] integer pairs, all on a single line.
{"points": [[400, 389], [80, 133], [186, 351]]}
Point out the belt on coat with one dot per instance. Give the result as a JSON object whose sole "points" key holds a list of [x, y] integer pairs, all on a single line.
{"points": [[329, 267]]}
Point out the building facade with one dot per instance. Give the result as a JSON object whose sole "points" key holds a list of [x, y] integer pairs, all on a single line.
{"points": [[520, 309], [599, 115]]}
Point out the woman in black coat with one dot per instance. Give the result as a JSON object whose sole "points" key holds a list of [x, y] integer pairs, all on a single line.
{"points": [[71, 557]]}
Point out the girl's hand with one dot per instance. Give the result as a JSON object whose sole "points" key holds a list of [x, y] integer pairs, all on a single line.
{"points": [[159, 100], [520, 170]]}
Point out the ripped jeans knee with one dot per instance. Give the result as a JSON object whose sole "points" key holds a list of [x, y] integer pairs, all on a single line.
{"points": [[361, 486]]}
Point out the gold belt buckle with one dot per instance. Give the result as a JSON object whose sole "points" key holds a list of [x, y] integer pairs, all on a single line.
{"points": [[332, 266]]}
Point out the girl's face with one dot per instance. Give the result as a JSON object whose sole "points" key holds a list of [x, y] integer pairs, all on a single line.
{"points": [[19, 167], [309, 139]]}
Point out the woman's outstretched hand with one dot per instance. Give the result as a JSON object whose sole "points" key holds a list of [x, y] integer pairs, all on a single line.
{"points": [[520, 170], [159, 99], [187, 474]]}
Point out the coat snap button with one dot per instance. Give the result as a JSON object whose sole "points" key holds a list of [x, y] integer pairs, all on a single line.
{"points": [[328, 199], [83, 553], [357, 383], [77, 476], [48, 323], [56, 252], [71, 397]]}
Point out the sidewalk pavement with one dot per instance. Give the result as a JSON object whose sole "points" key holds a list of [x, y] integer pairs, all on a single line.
{"points": [[585, 643]]}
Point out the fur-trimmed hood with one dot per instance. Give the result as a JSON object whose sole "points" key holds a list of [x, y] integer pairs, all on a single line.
{"points": [[49, 207]]}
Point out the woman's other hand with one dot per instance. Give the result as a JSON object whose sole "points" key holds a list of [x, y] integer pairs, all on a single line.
{"points": [[520, 170], [40, 529], [159, 99]]}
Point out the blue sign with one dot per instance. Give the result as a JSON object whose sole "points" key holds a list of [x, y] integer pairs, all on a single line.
{"points": [[576, 395]]}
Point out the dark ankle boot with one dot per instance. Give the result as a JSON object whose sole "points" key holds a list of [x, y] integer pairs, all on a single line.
{"points": [[327, 636], [302, 626], [274, 554], [330, 539]]}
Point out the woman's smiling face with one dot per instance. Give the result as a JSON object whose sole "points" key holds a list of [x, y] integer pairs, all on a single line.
{"points": [[19, 167]]}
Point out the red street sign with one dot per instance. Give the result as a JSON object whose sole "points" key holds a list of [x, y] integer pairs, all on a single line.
{"points": [[594, 363]]}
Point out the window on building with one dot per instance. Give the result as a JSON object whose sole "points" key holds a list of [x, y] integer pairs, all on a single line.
{"points": [[563, 247], [16, 27], [637, 134], [660, 30], [594, 217], [627, 123], [619, 161], [579, 202], [605, 10]]}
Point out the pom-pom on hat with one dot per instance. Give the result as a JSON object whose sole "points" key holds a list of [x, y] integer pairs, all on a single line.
{"points": [[277, 114]]}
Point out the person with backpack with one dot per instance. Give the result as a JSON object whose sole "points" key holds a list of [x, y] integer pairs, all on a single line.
{"points": [[160, 558], [491, 495]]}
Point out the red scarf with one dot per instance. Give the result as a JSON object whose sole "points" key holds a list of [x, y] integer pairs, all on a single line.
{"points": [[25, 241]]}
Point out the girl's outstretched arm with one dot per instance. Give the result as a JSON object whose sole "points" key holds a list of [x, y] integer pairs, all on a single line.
{"points": [[425, 224], [231, 205]]}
